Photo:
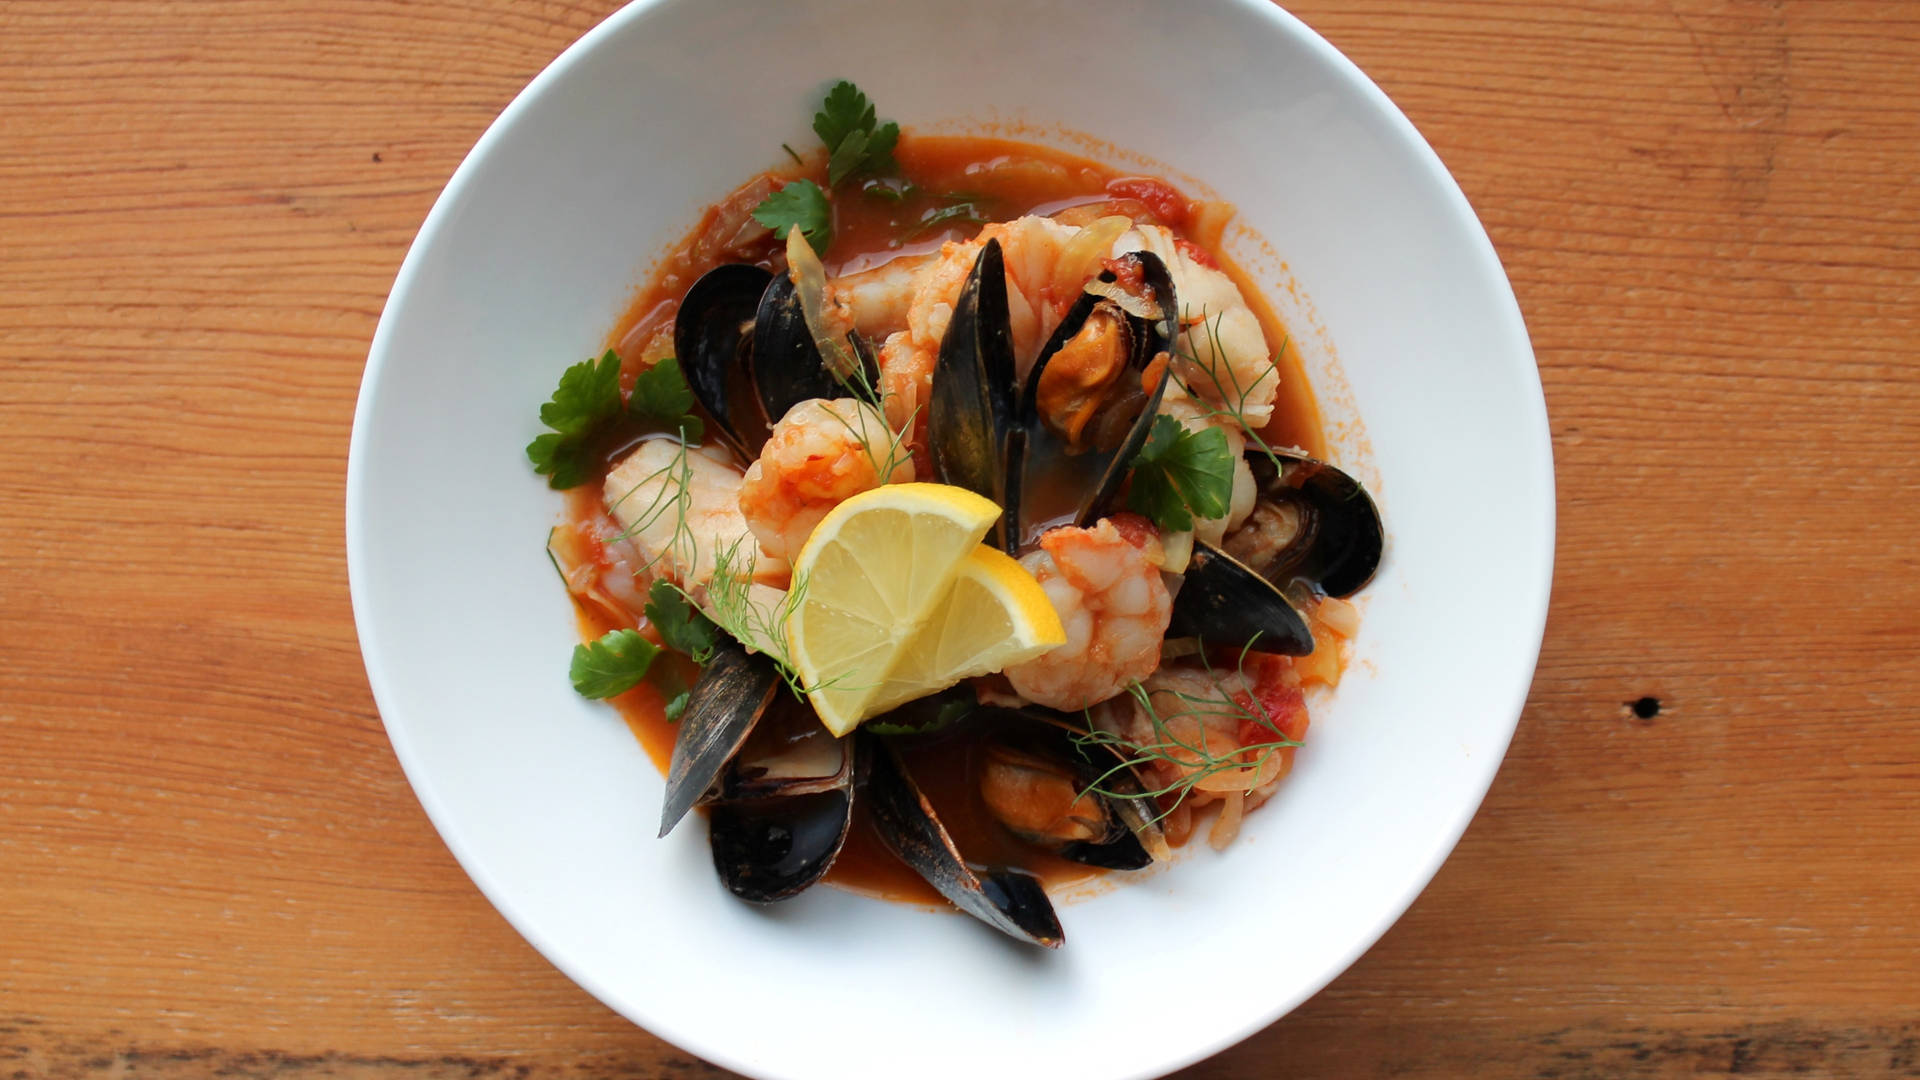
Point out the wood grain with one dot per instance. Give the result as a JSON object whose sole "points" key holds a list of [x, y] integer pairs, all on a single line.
{"points": [[1710, 209]]}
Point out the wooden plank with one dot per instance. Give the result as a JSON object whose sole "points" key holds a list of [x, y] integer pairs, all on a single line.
{"points": [[210, 863]]}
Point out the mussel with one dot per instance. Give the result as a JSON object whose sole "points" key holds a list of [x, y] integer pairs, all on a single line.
{"points": [[753, 344], [1091, 398], [1052, 795], [971, 412], [1011, 901], [734, 690], [778, 787], [1312, 523], [1055, 449], [714, 334], [1226, 603], [782, 810], [1313, 530]]}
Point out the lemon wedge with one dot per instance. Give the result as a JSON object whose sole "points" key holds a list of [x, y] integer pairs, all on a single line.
{"points": [[876, 567], [995, 616]]}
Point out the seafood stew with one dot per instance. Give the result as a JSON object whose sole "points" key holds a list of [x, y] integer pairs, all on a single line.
{"points": [[952, 521]]}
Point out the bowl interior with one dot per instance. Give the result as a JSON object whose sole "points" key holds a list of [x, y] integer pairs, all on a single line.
{"points": [[549, 802]]}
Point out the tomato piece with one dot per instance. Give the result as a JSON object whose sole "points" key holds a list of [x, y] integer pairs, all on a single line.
{"points": [[1127, 273], [1276, 706], [1162, 198], [1197, 253]]}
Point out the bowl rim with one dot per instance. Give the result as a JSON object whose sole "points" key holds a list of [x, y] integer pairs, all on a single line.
{"points": [[1503, 301]]}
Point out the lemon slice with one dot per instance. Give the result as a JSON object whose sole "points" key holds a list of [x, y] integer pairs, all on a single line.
{"points": [[875, 567], [995, 616]]}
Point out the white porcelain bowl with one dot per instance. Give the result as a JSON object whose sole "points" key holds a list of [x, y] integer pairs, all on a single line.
{"points": [[547, 800]]}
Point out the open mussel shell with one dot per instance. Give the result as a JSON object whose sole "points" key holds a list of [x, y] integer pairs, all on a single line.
{"points": [[1224, 602], [734, 691], [789, 752], [972, 402], [713, 336], [787, 366], [1312, 523], [1010, 901], [1050, 480], [1040, 787], [784, 808]]}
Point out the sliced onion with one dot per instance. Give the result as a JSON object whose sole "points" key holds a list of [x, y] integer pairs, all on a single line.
{"points": [[1080, 258], [1340, 616], [1227, 825], [828, 322], [1138, 306], [600, 590], [1177, 548]]}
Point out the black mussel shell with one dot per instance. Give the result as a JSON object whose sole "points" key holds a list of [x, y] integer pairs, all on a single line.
{"points": [[787, 365], [1046, 485], [781, 811], [1038, 756], [789, 752], [734, 691], [1337, 539], [1011, 901], [713, 335], [1225, 603], [770, 849], [972, 402]]}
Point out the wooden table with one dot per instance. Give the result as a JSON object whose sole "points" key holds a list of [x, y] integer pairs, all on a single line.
{"points": [[211, 865]]}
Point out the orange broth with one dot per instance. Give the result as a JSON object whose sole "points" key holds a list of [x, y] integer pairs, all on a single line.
{"points": [[1008, 179]]}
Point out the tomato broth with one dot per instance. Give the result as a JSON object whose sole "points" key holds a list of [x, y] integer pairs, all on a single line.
{"points": [[945, 190]]}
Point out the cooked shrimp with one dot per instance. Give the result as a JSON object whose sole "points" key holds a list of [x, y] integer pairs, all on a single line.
{"points": [[820, 454], [880, 297], [906, 385], [1223, 351], [1105, 583], [682, 509]]}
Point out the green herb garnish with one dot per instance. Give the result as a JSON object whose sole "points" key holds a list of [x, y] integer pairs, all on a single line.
{"points": [[799, 204], [682, 628], [612, 665], [856, 143], [1179, 474], [587, 399], [1193, 759], [885, 191], [927, 714], [961, 213], [587, 403], [678, 706], [660, 395]]}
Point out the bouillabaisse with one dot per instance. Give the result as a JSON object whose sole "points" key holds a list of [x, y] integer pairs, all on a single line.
{"points": [[773, 471]]}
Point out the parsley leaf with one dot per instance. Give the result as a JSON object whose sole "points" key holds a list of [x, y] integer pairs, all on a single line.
{"points": [[1180, 473], [660, 394], [677, 707], [587, 398], [682, 628], [612, 665], [927, 714], [800, 204], [894, 192], [846, 157], [855, 141], [964, 213], [845, 110]]}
